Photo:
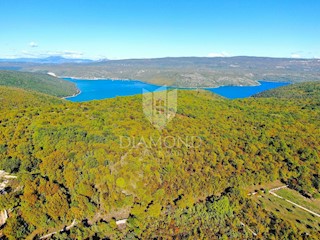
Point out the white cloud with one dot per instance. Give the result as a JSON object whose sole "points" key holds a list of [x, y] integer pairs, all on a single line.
{"points": [[221, 54], [72, 54], [65, 54], [33, 44], [37, 53], [44, 54], [27, 54], [295, 55]]}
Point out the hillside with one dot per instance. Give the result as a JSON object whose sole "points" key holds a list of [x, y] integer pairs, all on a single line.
{"points": [[38, 82], [301, 90], [102, 161], [188, 71], [17, 99]]}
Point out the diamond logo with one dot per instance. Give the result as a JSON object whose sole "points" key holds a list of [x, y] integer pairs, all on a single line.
{"points": [[160, 106]]}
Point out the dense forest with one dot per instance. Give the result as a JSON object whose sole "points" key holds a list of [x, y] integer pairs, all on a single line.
{"points": [[38, 82], [72, 165], [303, 90]]}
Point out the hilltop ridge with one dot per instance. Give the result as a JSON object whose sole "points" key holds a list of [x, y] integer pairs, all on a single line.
{"points": [[187, 71], [39, 82]]}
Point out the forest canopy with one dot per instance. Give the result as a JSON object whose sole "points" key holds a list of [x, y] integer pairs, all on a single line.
{"points": [[70, 165], [302, 90]]}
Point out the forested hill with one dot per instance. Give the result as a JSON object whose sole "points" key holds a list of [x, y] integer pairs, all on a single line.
{"points": [[38, 82], [101, 161], [16, 98], [187, 71], [298, 90]]}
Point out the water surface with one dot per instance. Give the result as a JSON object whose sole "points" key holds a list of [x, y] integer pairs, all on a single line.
{"points": [[101, 89], [233, 92]]}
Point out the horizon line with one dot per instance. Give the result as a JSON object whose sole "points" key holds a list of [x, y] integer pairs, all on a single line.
{"points": [[150, 58]]}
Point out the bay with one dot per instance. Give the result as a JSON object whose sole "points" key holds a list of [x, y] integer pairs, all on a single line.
{"points": [[102, 89], [233, 92]]}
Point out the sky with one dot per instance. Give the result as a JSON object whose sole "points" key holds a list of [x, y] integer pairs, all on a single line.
{"points": [[122, 29]]}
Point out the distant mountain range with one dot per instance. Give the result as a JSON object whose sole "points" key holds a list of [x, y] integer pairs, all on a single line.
{"points": [[47, 60], [194, 72]]}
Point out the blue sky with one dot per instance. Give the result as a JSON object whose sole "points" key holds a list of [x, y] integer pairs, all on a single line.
{"points": [[119, 29]]}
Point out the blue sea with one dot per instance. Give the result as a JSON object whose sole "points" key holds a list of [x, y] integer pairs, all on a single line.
{"points": [[233, 92], [101, 89]]}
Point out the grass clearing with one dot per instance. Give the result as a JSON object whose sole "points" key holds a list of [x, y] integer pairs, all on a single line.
{"points": [[300, 218], [285, 210], [296, 197]]}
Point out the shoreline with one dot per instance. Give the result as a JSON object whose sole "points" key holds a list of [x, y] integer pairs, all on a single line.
{"points": [[257, 84], [74, 95], [210, 89], [97, 79], [118, 79]]}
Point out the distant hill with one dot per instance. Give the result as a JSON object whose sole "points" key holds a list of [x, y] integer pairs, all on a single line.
{"points": [[38, 82], [187, 71], [299, 90], [50, 60]]}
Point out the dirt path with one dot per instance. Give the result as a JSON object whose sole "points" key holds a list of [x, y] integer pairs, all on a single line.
{"points": [[64, 229], [253, 233], [3, 217], [295, 204]]}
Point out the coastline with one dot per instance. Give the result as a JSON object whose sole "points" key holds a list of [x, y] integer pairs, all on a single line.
{"points": [[118, 79], [226, 91], [257, 83], [96, 79], [74, 95]]}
